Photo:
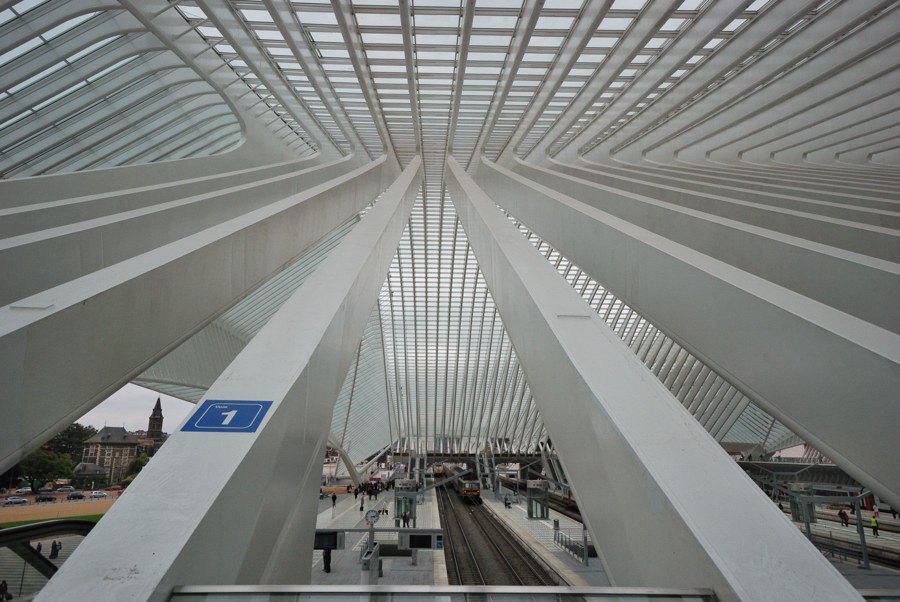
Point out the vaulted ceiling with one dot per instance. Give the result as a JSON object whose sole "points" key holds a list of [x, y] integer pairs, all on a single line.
{"points": [[787, 103]]}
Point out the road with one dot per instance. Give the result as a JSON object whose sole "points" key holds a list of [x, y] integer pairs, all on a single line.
{"points": [[48, 510]]}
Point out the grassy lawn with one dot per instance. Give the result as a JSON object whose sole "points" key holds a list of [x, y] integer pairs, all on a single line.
{"points": [[90, 517]]}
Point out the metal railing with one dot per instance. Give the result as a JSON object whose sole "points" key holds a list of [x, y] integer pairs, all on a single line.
{"points": [[574, 541], [383, 593]]}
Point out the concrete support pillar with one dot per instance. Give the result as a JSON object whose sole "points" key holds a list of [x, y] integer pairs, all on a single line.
{"points": [[355, 477], [221, 507], [67, 348], [685, 519], [821, 371]]}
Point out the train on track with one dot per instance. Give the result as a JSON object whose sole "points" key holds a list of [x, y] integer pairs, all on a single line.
{"points": [[564, 504], [468, 488]]}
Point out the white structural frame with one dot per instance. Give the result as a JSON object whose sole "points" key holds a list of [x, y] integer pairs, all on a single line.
{"points": [[316, 333], [190, 281], [693, 516], [779, 339], [717, 180]]}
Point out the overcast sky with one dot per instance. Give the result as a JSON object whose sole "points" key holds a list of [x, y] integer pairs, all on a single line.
{"points": [[131, 406]]}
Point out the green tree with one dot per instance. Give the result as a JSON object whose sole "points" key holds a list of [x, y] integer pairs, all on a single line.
{"points": [[43, 465], [71, 441], [134, 467]]}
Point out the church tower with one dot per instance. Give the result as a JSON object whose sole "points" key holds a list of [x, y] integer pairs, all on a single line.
{"points": [[154, 429]]}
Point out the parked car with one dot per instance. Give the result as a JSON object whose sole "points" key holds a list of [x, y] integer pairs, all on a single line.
{"points": [[75, 495], [98, 494], [115, 488], [23, 490], [45, 497], [14, 500], [65, 489], [45, 490]]}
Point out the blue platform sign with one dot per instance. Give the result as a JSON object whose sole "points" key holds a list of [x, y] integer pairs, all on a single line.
{"points": [[227, 416]]}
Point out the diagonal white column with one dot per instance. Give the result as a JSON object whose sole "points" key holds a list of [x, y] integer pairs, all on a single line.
{"points": [[67, 348], [220, 507], [824, 372], [661, 498]]}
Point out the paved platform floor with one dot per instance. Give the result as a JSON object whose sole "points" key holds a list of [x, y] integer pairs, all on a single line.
{"points": [[345, 564], [538, 535], [430, 568]]}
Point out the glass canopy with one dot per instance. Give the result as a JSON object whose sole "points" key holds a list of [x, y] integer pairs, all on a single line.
{"points": [[88, 85]]}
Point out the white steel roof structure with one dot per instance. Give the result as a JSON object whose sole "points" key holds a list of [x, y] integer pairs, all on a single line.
{"points": [[717, 180]]}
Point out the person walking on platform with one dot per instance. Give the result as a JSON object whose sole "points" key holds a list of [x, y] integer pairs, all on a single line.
{"points": [[874, 526], [333, 500], [326, 559], [362, 503]]}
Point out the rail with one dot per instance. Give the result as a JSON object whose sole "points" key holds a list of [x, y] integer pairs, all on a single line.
{"points": [[520, 564], [462, 566]]}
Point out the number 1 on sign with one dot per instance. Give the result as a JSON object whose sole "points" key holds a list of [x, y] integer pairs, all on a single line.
{"points": [[228, 417]]}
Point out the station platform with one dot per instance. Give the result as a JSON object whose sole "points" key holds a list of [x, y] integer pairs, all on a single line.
{"points": [[538, 536], [430, 567], [832, 537]]}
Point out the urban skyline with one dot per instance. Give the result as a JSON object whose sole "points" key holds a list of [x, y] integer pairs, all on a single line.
{"points": [[130, 407]]}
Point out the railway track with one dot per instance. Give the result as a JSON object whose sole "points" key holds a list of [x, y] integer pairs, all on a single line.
{"points": [[841, 544], [481, 552], [847, 546]]}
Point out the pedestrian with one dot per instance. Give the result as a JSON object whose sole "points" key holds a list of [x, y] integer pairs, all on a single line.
{"points": [[875, 511], [333, 500], [362, 503], [893, 512], [874, 526], [326, 559], [38, 548], [406, 519], [3, 590], [53, 549], [356, 493]]}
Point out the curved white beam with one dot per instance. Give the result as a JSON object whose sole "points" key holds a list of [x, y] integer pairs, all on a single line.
{"points": [[297, 362], [69, 347], [824, 373], [702, 521]]}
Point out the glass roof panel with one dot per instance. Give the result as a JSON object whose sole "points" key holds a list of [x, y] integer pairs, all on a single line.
{"points": [[444, 352]]}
